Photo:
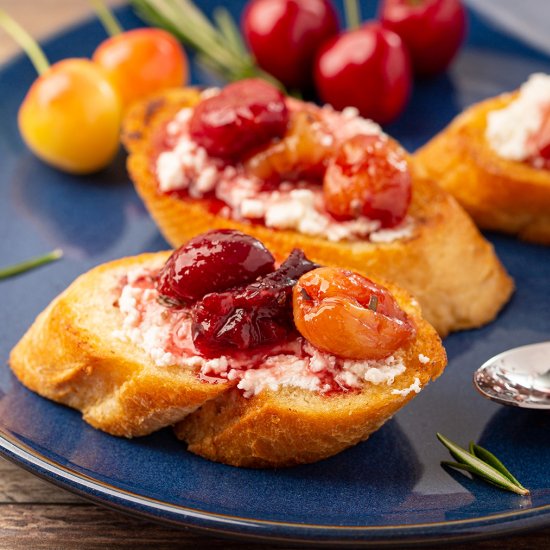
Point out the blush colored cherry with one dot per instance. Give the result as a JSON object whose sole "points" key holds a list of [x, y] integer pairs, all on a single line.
{"points": [[70, 117], [300, 154], [345, 314], [141, 62], [432, 30], [244, 115], [367, 68], [259, 314], [369, 176], [213, 262], [285, 35]]}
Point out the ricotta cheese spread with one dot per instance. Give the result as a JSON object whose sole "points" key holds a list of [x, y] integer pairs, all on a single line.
{"points": [[509, 130], [414, 387], [164, 334], [186, 166]]}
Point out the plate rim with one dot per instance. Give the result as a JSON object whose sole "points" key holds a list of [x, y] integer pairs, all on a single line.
{"points": [[251, 529], [210, 523]]}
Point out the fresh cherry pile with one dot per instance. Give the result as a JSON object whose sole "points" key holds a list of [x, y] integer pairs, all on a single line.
{"points": [[369, 66], [238, 299]]}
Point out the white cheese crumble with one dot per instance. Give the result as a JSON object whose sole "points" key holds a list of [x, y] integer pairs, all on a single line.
{"points": [[301, 210], [509, 129], [165, 336], [280, 370], [296, 211], [414, 387], [423, 359]]}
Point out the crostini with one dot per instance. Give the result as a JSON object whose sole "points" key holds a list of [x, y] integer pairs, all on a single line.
{"points": [[297, 175], [494, 158], [262, 364]]}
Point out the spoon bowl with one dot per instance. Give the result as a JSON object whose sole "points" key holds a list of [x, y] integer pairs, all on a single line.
{"points": [[519, 377]]}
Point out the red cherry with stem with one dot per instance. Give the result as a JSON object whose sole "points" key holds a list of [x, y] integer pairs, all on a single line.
{"points": [[213, 262], [432, 30], [244, 115], [284, 36], [368, 68]]}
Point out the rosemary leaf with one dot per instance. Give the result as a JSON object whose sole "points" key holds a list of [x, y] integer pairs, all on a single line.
{"points": [[493, 461], [499, 481], [373, 302], [30, 264], [477, 466], [230, 31]]}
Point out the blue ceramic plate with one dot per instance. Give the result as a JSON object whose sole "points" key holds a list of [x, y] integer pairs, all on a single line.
{"points": [[390, 489]]}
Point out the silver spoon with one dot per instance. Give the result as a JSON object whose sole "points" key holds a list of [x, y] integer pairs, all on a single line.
{"points": [[519, 377]]}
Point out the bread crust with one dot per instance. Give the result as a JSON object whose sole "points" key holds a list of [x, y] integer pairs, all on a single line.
{"points": [[500, 194], [71, 356], [293, 426], [446, 264]]}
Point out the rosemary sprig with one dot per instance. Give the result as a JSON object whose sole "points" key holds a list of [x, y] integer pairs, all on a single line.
{"points": [[30, 264], [219, 44], [482, 463]]}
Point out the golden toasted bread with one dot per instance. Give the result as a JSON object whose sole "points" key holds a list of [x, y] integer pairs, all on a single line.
{"points": [[500, 194], [71, 354], [294, 426], [446, 264]]}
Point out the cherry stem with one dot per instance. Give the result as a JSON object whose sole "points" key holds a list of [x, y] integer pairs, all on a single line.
{"points": [[26, 41], [30, 264], [108, 20], [353, 14]]}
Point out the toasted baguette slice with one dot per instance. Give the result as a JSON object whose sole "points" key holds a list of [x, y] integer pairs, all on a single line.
{"points": [[71, 355], [446, 264], [499, 194], [294, 426]]}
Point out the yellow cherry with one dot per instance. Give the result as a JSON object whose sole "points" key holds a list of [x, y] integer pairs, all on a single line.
{"points": [[70, 117]]}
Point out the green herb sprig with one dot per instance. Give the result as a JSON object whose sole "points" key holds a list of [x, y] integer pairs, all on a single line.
{"points": [[30, 264], [219, 44], [483, 464]]}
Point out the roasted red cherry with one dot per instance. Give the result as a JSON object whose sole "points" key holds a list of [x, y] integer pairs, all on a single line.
{"points": [[369, 176], [259, 314], [244, 115], [212, 262], [348, 315]]}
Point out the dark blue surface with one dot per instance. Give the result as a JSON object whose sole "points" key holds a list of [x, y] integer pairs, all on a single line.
{"points": [[390, 488]]}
